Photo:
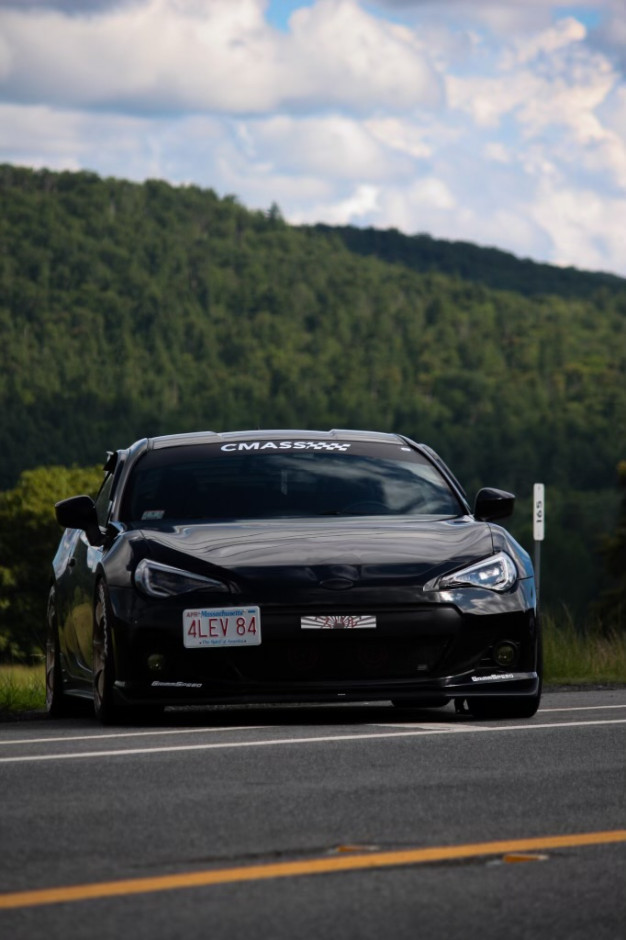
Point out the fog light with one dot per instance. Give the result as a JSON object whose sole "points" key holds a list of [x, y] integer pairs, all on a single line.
{"points": [[505, 654], [156, 662]]}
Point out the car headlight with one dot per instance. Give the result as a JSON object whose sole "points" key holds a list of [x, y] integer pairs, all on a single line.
{"points": [[496, 573], [164, 581]]}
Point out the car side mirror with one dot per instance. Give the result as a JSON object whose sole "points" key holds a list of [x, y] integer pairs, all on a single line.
{"points": [[79, 512], [492, 504]]}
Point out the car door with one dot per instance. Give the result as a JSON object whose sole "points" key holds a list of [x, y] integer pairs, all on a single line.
{"points": [[77, 586]]}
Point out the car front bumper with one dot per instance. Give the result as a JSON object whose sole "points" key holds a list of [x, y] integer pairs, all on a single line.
{"points": [[423, 650]]}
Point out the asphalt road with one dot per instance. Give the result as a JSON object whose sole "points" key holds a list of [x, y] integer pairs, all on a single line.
{"points": [[308, 822]]}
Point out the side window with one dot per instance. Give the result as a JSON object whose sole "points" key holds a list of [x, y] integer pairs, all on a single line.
{"points": [[103, 500]]}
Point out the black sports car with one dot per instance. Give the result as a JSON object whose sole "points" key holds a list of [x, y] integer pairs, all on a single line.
{"points": [[289, 566]]}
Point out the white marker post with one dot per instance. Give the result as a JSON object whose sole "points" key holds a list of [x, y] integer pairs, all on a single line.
{"points": [[539, 528]]}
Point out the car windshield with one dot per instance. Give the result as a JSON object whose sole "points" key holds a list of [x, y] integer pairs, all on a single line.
{"points": [[266, 480]]}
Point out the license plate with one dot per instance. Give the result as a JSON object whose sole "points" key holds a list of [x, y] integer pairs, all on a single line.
{"points": [[338, 622], [222, 626]]}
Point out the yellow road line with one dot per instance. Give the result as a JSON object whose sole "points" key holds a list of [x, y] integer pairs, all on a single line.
{"points": [[315, 866]]}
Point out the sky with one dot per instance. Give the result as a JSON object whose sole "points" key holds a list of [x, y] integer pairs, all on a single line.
{"points": [[499, 122]]}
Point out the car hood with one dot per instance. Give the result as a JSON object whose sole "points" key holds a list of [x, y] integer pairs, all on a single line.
{"points": [[345, 551]]}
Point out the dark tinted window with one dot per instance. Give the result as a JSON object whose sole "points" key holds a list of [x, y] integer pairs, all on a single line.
{"points": [[271, 480], [103, 500]]}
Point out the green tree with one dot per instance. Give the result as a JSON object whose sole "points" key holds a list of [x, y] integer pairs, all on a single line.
{"points": [[29, 535], [612, 605]]}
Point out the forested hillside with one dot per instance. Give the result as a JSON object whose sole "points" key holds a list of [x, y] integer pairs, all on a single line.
{"points": [[129, 310], [489, 266]]}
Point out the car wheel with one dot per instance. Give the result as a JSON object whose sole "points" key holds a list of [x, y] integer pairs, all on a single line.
{"points": [[106, 708], [510, 706], [58, 704]]}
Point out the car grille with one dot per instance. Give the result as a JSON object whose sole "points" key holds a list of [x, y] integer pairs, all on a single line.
{"points": [[329, 658]]}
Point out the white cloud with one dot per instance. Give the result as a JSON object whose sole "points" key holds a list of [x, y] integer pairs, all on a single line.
{"points": [[570, 97], [427, 201], [161, 56], [155, 56], [488, 99], [361, 203], [503, 17], [360, 60], [546, 43], [563, 87], [400, 135], [6, 58], [331, 146], [498, 123], [113, 145], [613, 112], [587, 230], [497, 152], [76, 7]]}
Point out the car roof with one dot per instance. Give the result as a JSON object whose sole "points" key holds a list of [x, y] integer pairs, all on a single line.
{"points": [[208, 437]]}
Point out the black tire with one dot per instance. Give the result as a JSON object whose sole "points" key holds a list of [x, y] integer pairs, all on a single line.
{"points": [[511, 706], [58, 704], [106, 708]]}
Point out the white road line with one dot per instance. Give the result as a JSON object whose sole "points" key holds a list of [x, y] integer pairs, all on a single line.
{"points": [[275, 742], [131, 734], [580, 708], [432, 726], [209, 729]]}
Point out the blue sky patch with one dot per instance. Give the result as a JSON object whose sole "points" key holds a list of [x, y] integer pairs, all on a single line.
{"points": [[279, 11]]}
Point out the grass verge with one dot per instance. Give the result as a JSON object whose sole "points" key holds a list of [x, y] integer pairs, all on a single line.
{"points": [[575, 657], [22, 689]]}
